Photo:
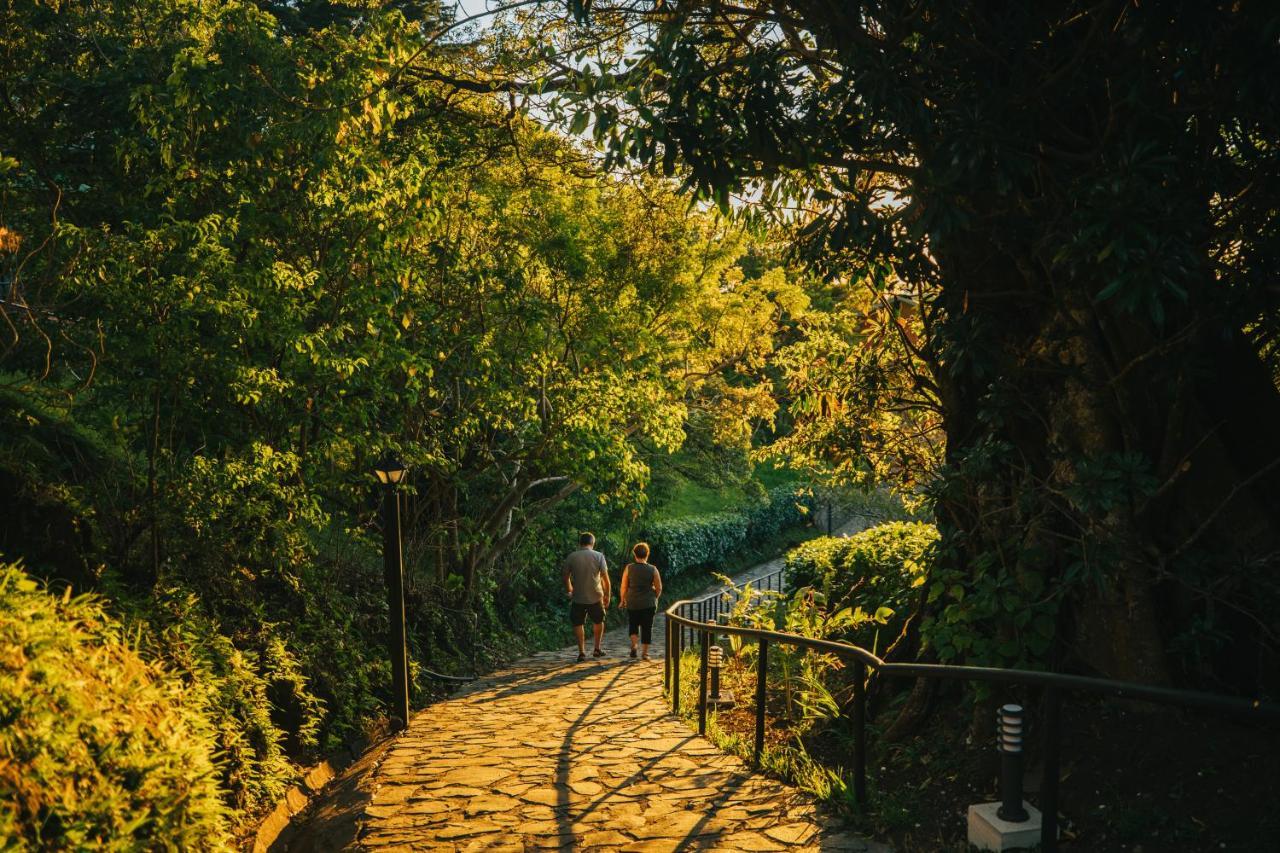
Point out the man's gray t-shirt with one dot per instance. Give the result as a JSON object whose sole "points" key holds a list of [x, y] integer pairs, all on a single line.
{"points": [[585, 567]]}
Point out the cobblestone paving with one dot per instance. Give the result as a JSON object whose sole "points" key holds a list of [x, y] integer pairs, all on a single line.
{"points": [[557, 755]]}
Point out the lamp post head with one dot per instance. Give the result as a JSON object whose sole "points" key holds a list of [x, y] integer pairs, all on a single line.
{"points": [[390, 470]]}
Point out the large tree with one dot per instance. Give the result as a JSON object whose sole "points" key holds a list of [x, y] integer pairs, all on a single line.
{"points": [[1080, 199]]}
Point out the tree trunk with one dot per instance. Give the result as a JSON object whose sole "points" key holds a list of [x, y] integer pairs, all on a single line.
{"points": [[1122, 450]]}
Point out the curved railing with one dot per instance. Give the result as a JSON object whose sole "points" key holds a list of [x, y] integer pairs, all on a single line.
{"points": [[717, 604], [447, 679], [679, 625]]}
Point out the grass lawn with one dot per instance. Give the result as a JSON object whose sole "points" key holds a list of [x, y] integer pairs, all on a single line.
{"points": [[686, 497]]}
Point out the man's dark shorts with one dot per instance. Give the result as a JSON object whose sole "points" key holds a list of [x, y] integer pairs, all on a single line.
{"points": [[578, 613]]}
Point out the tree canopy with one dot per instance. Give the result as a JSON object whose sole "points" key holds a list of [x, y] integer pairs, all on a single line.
{"points": [[1016, 260], [1067, 212], [247, 248]]}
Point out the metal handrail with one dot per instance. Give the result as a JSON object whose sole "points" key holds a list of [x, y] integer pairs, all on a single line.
{"points": [[1054, 683], [713, 603], [450, 679], [773, 580]]}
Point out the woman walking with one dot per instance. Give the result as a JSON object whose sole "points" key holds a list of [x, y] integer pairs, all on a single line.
{"points": [[638, 593]]}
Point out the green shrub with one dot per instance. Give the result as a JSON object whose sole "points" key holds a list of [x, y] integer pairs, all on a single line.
{"points": [[881, 567], [687, 543], [233, 685], [341, 639], [98, 748], [781, 508], [810, 562], [703, 541]]}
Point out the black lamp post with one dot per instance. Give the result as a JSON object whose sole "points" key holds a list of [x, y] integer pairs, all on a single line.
{"points": [[391, 473]]}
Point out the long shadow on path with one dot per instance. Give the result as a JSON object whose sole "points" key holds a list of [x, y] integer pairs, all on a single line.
{"points": [[563, 754]]}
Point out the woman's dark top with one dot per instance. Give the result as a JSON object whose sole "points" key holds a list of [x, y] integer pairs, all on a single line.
{"points": [[640, 594]]}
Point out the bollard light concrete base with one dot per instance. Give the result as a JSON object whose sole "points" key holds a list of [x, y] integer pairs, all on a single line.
{"points": [[722, 702], [988, 832]]}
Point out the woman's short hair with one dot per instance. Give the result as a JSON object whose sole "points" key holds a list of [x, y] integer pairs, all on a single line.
{"points": [[640, 550]]}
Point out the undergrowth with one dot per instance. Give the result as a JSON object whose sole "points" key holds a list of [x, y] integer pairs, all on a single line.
{"points": [[99, 749]]}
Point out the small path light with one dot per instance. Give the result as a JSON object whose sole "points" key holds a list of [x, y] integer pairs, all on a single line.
{"points": [[1009, 743], [391, 473], [1011, 823], [719, 698]]}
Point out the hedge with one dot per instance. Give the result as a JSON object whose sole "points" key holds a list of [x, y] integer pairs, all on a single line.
{"points": [[703, 541], [99, 749], [879, 567]]}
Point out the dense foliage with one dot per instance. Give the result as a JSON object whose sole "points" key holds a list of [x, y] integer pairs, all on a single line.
{"points": [[895, 555], [241, 258], [702, 541], [245, 249], [879, 570], [102, 750], [858, 589], [1057, 229]]}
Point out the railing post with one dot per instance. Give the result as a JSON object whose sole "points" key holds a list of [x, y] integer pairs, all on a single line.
{"points": [[860, 732], [704, 642], [666, 656], [676, 654], [762, 680], [1049, 781]]}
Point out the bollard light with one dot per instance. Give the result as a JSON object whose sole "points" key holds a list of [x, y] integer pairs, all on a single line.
{"points": [[1009, 723], [714, 656]]}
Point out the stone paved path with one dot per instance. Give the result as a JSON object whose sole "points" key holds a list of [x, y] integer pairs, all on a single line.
{"points": [[551, 754], [850, 527]]}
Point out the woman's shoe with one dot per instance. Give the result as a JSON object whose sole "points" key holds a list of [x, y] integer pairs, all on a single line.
{"points": [[633, 652], [582, 656], [644, 657]]}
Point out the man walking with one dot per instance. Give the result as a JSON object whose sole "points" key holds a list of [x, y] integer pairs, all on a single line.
{"points": [[586, 579]]}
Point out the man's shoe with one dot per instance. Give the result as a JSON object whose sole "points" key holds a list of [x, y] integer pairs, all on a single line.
{"points": [[582, 656], [598, 653], [633, 652]]}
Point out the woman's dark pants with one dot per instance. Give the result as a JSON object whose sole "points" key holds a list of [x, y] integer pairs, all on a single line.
{"points": [[641, 622]]}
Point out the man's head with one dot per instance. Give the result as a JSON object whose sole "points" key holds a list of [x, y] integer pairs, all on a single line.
{"points": [[586, 540]]}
